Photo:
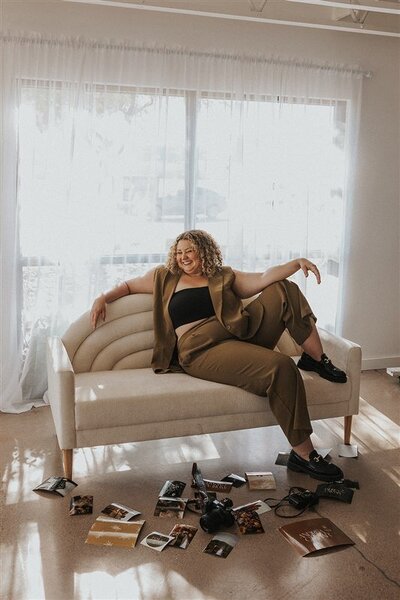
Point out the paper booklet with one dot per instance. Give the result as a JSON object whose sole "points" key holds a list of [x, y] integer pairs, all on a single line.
{"points": [[56, 485], [311, 535], [109, 532], [260, 480]]}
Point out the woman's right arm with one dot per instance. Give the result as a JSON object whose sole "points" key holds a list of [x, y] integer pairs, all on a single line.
{"points": [[138, 285]]}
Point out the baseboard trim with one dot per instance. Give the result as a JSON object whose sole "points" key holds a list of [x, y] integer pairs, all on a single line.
{"points": [[380, 363]]}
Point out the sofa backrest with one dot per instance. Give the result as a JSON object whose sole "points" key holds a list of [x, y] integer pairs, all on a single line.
{"points": [[125, 340]]}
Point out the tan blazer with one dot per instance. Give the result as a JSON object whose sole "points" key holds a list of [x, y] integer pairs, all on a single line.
{"points": [[228, 308]]}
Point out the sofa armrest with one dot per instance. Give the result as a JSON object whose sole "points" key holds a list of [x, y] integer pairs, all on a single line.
{"points": [[61, 392], [346, 355]]}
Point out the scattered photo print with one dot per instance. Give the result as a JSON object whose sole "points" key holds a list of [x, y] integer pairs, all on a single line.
{"points": [[157, 541], [282, 459], [120, 512], [182, 534], [235, 480], [81, 505], [259, 506], [324, 452], [170, 507], [56, 485], [221, 544], [348, 450], [172, 489], [196, 504], [260, 480], [105, 532], [249, 522]]}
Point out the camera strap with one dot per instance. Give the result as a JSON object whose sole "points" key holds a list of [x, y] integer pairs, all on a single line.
{"points": [[298, 497]]}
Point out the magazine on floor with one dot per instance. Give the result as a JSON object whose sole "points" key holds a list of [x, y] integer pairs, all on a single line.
{"points": [[312, 535], [109, 532], [61, 486], [120, 512], [260, 480]]}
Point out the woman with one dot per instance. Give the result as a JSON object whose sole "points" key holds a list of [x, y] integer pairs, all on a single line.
{"points": [[202, 327]]}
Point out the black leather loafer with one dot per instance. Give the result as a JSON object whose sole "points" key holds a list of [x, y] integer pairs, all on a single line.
{"points": [[323, 367], [316, 467]]}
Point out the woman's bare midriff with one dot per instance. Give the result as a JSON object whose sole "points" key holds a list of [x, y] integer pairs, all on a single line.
{"points": [[187, 327]]}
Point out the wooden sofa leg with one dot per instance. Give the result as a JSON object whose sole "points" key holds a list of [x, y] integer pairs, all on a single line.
{"points": [[347, 428], [67, 457]]}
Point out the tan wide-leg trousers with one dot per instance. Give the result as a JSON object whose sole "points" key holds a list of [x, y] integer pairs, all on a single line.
{"points": [[209, 351]]}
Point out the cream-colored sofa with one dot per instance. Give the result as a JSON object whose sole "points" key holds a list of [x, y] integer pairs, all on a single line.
{"points": [[102, 390]]}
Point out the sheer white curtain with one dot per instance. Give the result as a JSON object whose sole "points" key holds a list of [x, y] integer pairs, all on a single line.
{"points": [[112, 150]]}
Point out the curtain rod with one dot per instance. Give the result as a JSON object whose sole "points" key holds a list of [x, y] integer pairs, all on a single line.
{"points": [[94, 45]]}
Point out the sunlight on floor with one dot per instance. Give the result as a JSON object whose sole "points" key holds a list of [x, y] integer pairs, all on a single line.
{"points": [[21, 475], [144, 582], [25, 575], [372, 431], [394, 474], [122, 457]]}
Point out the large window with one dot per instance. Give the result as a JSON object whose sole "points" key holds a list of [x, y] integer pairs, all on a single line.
{"points": [[107, 180]]}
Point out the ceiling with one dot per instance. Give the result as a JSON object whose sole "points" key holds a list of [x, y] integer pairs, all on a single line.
{"points": [[368, 17]]}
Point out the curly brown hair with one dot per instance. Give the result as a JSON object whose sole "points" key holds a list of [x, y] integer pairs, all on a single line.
{"points": [[208, 249]]}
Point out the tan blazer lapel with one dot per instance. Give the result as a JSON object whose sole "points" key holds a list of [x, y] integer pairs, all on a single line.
{"points": [[216, 285]]}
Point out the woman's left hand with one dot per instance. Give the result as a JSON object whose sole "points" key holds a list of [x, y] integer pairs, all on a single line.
{"points": [[307, 265]]}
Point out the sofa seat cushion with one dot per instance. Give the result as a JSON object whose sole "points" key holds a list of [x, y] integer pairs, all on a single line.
{"points": [[138, 396]]}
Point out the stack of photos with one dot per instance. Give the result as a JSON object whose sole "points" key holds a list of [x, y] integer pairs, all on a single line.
{"points": [[248, 522], [109, 532], [120, 512], [170, 507], [81, 505], [221, 544], [260, 480], [182, 534], [172, 489], [157, 541], [56, 485]]}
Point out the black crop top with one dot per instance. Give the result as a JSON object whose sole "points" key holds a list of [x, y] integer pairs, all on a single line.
{"points": [[190, 304]]}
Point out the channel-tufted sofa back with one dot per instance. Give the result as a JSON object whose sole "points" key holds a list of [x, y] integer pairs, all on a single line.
{"points": [[125, 340]]}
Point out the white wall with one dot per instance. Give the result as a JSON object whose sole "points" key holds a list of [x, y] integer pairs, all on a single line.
{"points": [[374, 290]]}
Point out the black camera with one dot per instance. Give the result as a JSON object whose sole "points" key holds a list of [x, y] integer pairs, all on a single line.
{"points": [[217, 514]]}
